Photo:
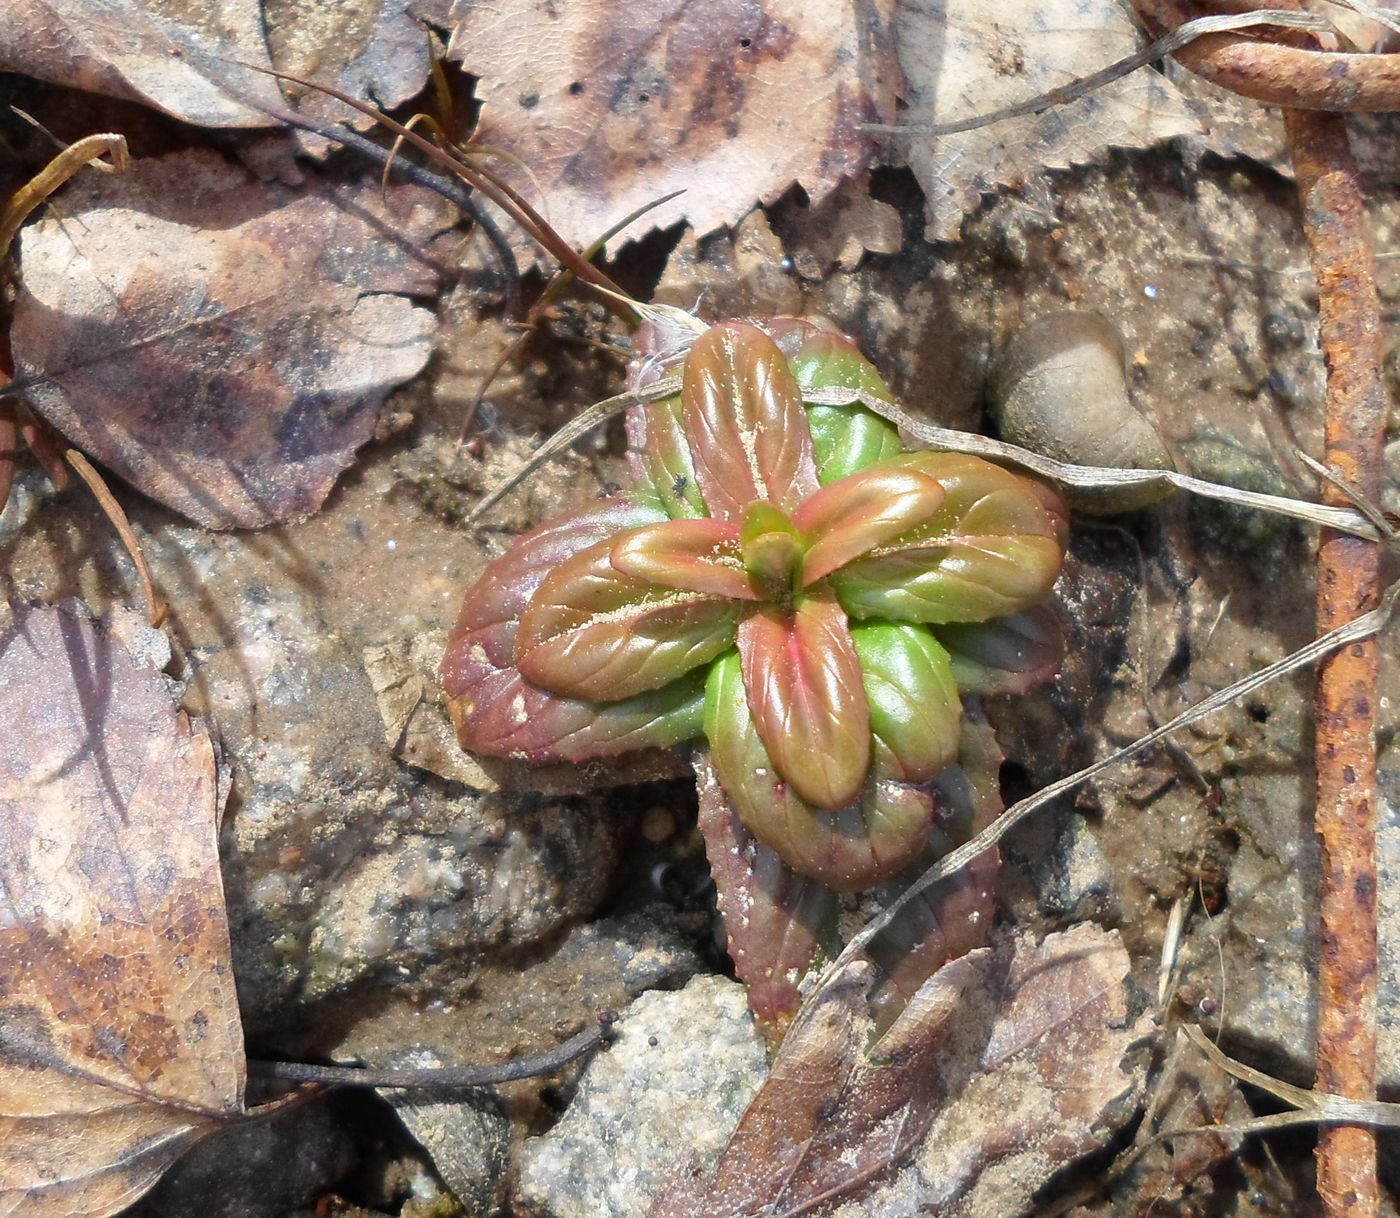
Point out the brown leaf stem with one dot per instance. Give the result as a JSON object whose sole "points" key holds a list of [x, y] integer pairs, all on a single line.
{"points": [[1348, 586]]}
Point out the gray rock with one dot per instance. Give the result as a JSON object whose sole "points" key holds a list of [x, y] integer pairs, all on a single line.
{"points": [[466, 1134], [261, 1169], [1071, 876], [683, 1069]]}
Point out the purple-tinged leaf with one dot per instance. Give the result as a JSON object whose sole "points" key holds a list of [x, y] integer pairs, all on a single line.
{"points": [[499, 714], [846, 519], [592, 632], [659, 457], [502, 591], [1008, 655], [805, 691], [777, 921], [915, 712], [953, 916], [852, 848], [991, 550], [745, 422], [699, 555]]}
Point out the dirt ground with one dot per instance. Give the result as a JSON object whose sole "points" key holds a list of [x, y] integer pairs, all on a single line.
{"points": [[380, 909]]}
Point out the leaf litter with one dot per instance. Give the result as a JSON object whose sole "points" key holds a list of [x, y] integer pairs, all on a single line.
{"points": [[222, 344], [120, 1041]]}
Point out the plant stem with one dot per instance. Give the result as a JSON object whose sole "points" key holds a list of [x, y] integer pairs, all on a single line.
{"points": [[1348, 586]]}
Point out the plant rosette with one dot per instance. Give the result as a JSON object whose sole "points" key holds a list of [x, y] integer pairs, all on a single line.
{"points": [[787, 586]]}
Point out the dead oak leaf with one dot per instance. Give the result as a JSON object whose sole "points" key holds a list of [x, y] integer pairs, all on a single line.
{"points": [[120, 1042], [730, 101], [172, 55], [224, 344], [1006, 1066], [966, 58]]}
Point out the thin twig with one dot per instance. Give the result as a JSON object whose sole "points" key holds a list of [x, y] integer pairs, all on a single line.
{"points": [[156, 609], [441, 1078]]}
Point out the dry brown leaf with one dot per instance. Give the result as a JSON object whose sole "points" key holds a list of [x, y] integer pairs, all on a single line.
{"points": [[371, 49], [1001, 1071], [120, 1042], [171, 54], [965, 58], [223, 344], [731, 101]]}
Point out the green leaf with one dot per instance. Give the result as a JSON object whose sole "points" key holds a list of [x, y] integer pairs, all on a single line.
{"points": [[991, 550], [771, 549], [845, 439], [915, 711], [1008, 655], [804, 688], [593, 632], [845, 519], [745, 423], [660, 457], [688, 555], [850, 849]]}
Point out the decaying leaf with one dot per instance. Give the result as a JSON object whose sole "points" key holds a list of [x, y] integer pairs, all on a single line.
{"points": [[174, 55], [371, 49], [120, 1041], [730, 102], [220, 343], [1005, 1067], [965, 58]]}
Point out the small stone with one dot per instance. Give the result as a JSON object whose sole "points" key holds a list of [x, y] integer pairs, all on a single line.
{"points": [[672, 1086]]}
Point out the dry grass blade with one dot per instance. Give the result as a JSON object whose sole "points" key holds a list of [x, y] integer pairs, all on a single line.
{"points": [[1362, 628], [87, 151], [1160, 49]]}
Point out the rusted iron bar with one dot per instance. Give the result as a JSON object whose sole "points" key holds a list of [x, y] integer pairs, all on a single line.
{"points": [[1348, 586], [1280, 72]]}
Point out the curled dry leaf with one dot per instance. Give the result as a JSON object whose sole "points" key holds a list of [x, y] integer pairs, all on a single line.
{"points": [[1005, 1067], [730, 102], [222, 344], [120, 1042], [173, 54], [966, 58]]}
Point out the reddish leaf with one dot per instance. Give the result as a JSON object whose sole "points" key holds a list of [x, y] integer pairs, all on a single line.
{"points": [[497, 712], [776, 921], [690, 555], [849, 849], [502, 591], [590, 631], [120, 1040], [745, 422], [991, 550], [847, 518], [804, 687]]}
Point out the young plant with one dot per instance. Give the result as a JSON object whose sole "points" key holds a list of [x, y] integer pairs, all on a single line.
{"points": [[788, 585]]}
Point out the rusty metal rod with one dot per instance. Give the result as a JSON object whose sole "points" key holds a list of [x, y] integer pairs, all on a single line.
{"points": [[1348, 586]]}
